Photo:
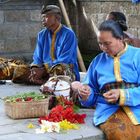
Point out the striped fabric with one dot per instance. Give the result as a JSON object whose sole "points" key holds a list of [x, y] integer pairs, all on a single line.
{"points": [[117, 85]]}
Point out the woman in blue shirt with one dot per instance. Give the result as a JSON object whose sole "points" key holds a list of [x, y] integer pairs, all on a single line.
{"points": [[112, 84]]}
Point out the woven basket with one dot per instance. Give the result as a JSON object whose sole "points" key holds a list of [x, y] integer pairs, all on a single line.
{"points": [[28, 109]]}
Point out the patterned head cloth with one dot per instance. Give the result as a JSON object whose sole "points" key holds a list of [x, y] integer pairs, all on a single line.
{"points": [[50, 9]]}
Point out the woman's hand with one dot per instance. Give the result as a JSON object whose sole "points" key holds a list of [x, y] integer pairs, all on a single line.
{"points": [[112, 96], [84, 92]]}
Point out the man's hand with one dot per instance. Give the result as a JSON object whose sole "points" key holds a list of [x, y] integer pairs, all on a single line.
{"points": [[112, 96], [33, 75], [36, 75]]}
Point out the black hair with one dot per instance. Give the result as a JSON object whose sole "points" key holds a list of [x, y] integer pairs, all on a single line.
{"points": [[120, 18], [113, 27]]}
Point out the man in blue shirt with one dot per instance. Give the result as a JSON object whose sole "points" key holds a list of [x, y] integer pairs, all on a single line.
{"points": [[56, 44], [55, 52]]}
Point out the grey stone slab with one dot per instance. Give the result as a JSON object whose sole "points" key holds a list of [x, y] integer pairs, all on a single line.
{"points": [[12, 89], [1, 17], [29, 29], [35, 15], [20, 126], [134, 21], [95, 8], [8, 30], [138, 33], [33, 41], [17, 44], [134, 32], [17, 16], [2, 45], [6, 129], [24, 136]]}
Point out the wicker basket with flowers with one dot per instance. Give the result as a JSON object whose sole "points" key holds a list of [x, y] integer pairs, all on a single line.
{"points": [[26, 105]]}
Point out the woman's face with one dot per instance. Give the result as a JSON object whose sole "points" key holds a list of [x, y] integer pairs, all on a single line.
{"points": [[108, 43]]}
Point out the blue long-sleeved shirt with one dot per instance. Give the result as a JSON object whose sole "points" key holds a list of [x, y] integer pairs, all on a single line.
{"points": [[65, 49], [102, 70], [135, 1]]}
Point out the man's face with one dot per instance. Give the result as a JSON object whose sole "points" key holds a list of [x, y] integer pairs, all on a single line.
{"points": [[108, 43], [48, 19]]}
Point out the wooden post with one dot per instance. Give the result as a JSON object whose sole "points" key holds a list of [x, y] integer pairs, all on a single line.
{"points": [[80, 59]]}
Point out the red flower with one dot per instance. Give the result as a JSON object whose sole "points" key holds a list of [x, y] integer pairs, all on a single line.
{"points": [[42, 118], [18, 99], [28, 99], [59, 113], [64, 111]]}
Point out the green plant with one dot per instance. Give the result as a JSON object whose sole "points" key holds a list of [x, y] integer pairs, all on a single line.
{"points": [[22, 97]]}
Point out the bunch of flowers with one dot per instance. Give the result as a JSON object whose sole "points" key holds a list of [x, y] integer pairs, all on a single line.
{"points": [[47, 126], [63, 115]]}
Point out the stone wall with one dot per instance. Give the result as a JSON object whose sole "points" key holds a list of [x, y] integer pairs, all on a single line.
{"points": [[20, 22], [97, 10]]}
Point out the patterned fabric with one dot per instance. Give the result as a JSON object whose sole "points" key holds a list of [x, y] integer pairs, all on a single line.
{"points": [[117, 85], [21, 74], [63, 69], [5, 71], [119, 127], [7, 67], [24, 74]]}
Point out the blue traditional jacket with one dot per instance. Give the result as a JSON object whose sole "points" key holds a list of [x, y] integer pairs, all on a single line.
{"points": [[135, 1], [106, 69], [55, 48]]}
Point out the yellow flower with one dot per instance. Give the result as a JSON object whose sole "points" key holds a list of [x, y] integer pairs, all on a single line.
{"points": [[30, 125], [66, 125]]}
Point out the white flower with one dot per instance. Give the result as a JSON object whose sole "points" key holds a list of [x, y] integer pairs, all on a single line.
{"points": [[47, 126], [55, 127]]}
